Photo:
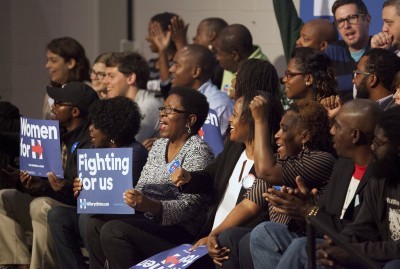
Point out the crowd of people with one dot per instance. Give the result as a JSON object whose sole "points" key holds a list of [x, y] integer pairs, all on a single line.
{"points": [[224, 152]]}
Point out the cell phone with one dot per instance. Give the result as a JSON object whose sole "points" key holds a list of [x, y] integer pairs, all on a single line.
{"points": [[276, 187]]}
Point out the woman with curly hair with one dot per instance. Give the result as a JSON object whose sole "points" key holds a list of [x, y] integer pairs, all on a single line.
{"points": [[309, 75], [114, 124], [304, 146]]}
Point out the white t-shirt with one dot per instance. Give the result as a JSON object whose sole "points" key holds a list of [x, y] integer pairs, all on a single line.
{"points": [[232, 191]]}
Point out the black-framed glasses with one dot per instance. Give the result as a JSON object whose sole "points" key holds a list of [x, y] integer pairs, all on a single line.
{"points": [[359, 72], [168, 110], [289, 74], [98, 75], [351, 19]]}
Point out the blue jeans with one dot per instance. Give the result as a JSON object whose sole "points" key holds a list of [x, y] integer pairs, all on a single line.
{"points": [[395, 264], [268, 242], [63, 223]]}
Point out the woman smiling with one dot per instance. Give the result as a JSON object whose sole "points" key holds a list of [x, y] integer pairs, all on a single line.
{"points": [[164, 216]]}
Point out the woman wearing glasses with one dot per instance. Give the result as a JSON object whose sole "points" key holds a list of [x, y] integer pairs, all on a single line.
{"points": [[304, 146], [309, 75], [232, 172], [164, 216], [98, 73]]}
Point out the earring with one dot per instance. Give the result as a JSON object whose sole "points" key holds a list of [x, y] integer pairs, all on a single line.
{"points": [[112, 141], [308, 83], [188, 128], [210, 47], [304, 147]]}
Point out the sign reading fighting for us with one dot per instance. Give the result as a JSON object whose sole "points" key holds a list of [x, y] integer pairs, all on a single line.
{"points": [[175, 258], [106, 174], [40, 150]]}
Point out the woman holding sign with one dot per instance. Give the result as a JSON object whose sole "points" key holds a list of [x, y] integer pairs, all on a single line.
{"points": [[164, 217], [110, 128]]}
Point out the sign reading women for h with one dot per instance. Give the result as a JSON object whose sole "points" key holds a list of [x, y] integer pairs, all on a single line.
{"points": [[40, 150], [106, 174]]}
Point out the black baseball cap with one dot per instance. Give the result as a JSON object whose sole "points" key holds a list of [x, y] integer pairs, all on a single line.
{"points": [[76, 93]]}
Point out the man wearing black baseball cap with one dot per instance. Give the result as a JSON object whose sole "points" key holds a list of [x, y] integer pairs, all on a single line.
{"points": [[27, 207]]}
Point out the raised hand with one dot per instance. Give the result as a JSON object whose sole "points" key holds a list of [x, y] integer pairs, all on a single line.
{"points": [[332, 105], [257, 107], [161, 39], [178, 32], [382, 40]]}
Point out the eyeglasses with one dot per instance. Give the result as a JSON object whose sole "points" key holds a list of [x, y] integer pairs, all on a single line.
{"points": [[351, 19], [359, 72], [168, 110], [98, 75], [378, 143], [289, 75]]}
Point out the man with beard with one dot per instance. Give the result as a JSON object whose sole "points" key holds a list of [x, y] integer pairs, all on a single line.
{"points": [[374, 75], [376, 231], [275, 245]]}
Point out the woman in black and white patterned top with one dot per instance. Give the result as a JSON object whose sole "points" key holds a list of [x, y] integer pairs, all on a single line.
{"points": [[164, 216]]}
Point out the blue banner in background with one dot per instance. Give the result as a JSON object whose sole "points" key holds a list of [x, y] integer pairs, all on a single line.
{"points": [[106, 174], [40, 150], [312, 9], [211, 132]]}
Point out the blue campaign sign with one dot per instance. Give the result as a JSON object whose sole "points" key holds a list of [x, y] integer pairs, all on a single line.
{"points": [[211, 133], [106, 174], [40, 150], [175, 258], [311, 9]]}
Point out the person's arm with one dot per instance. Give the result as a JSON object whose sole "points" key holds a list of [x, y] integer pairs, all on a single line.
{"points": [[266, 165], [241, 214], [178, 32], [289, 24], [162, 42]]}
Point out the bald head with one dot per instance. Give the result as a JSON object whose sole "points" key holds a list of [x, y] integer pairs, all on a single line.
{"points": [[236, 37], [326, 30], [362, 114], [317, 34], [353, 130]]}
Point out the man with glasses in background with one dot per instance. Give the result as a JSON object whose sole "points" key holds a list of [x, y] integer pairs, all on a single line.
{"points": [[374, 75], [352, 20]]}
